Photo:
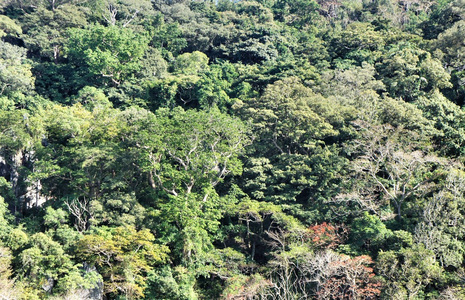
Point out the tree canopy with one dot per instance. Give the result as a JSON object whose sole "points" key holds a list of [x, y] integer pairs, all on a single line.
{"points": [[259, 149]]}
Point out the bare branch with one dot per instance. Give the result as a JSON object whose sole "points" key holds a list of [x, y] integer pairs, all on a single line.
{"points": [[81, 212]]}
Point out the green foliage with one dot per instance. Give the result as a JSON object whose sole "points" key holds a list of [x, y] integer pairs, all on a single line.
{"points": [[153, 65], [117, 210], [92, 99], [44, 30], [271, 145], [46, 262], [410, 72], [216, 87], [447, 118], [240, 286], [89, 139], [399, 171], [8, 27], [357, 43], [291, 117], [7, 286], [408, 270], [168, 38], [185, 155], [369, 232], [111, 52], [190, 151], [292, 163], [17, 239], [297, 13], [60, 81], [190, 63], [5, 219], [55, 217], [123, 256], [19, 132], [166, 283], [442, 238], [16, 78], [172, 91]]}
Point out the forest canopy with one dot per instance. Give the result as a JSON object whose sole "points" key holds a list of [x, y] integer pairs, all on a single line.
{"points": [[268, 149]]}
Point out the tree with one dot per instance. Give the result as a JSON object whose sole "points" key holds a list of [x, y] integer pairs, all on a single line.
{"points": [[451, 52], [185, 155], [321, 275], [168, 37], [350, 278], [83, 154], [20, 136], [8, 289], [153, 65], [191, 63], [218, 87], [441, 234], [294, 157], [171, 284], [123, 256], [110, 52], [4, 219], [190, 151], [391, 166], [356, 44], [449, 43], [48, 266], [369, 234], [44, 30], [447, 118], [15, 72], [8, 27], [28, 6], [116, 209], [53, 4], [125, 13], [264, 224], [410, 72], [291, 117], [297, 13], [408, 271], [172, 91]]}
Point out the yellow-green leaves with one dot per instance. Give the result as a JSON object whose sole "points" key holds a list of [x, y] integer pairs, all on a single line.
{"points": [[123, 256], [8, 26]]}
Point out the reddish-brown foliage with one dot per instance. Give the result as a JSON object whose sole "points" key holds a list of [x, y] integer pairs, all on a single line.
{"points": [[352, 278], [327, 236]]}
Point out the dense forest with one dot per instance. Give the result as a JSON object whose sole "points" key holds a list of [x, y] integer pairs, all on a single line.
{"points": [[268, 149]]}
